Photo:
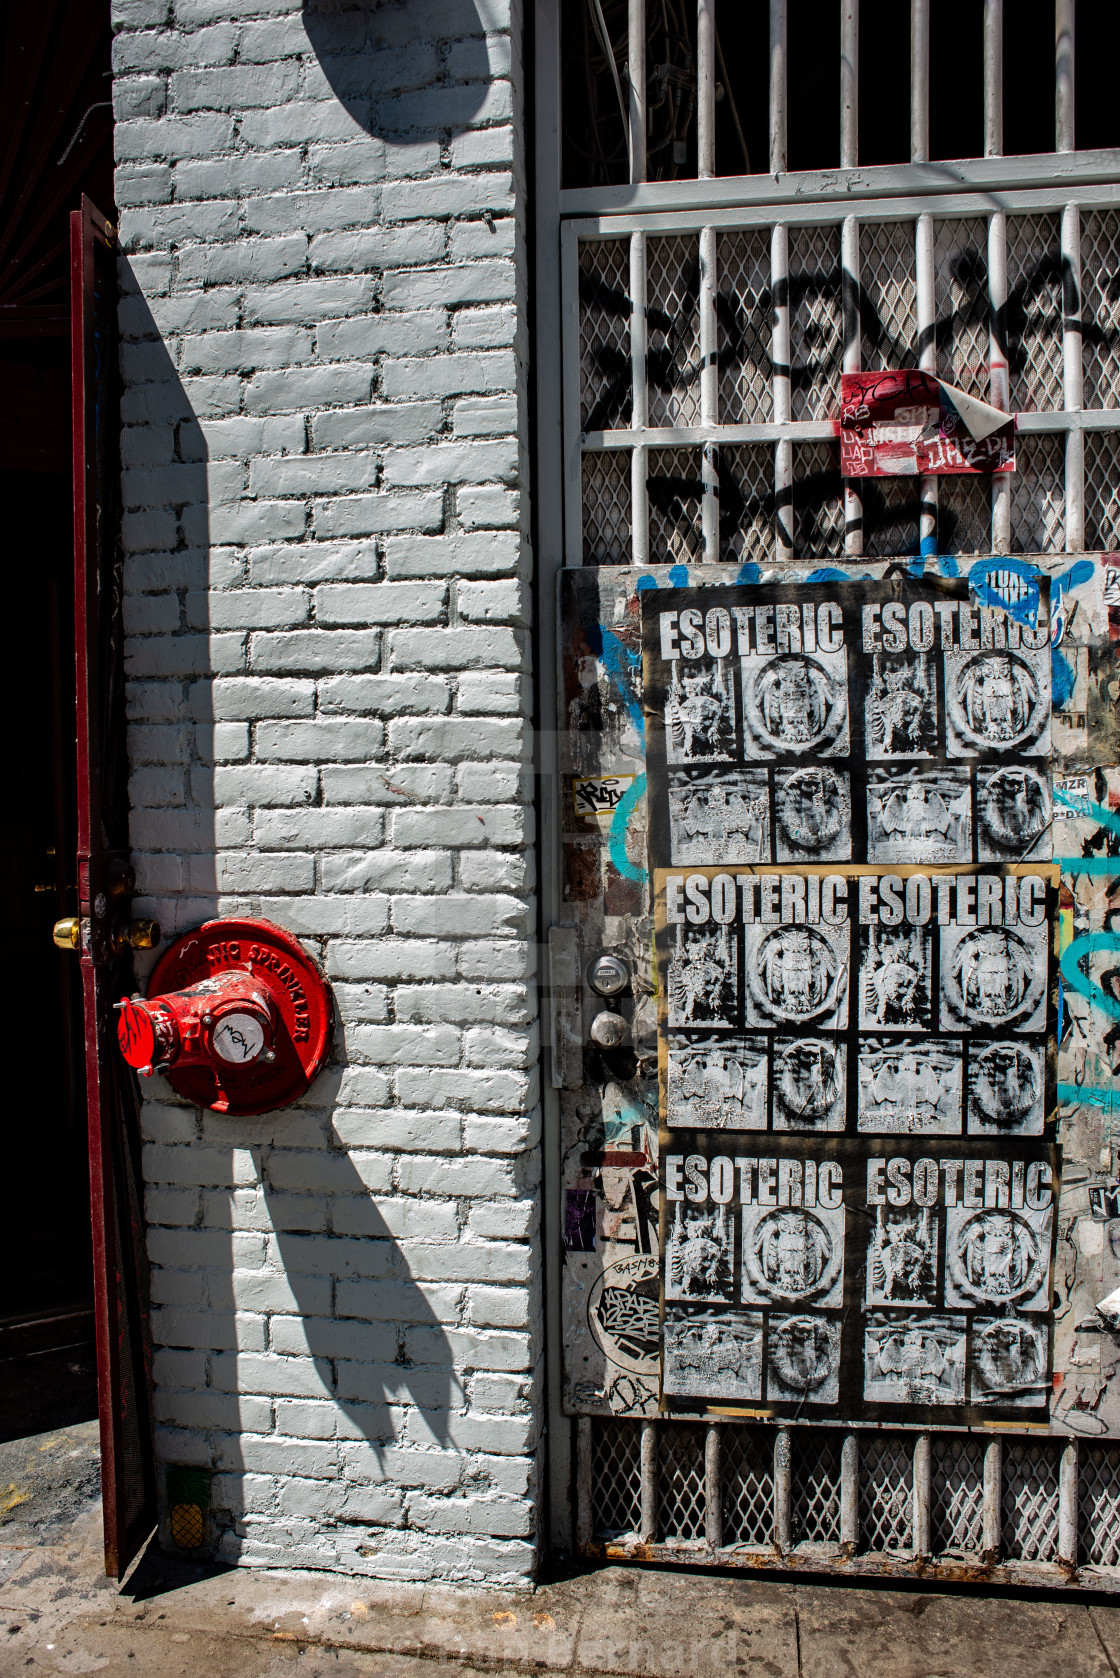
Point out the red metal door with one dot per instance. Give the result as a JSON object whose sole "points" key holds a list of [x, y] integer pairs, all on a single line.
{"points": [[105, 884]]}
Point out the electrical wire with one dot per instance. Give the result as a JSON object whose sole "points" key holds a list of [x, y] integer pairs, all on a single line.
{"points": [[600, 24]]}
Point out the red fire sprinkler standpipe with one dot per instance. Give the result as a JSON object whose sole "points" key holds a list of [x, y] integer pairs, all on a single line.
{"points": [[237, 1018]]}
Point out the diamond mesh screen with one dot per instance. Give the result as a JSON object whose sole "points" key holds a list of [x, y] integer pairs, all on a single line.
{"points": [[818, 500], [964, 515], [815, 1492], [748, 1485], [1098, 1504], [606, 508], [680, 1481], [1030, 1500], [815, 321], [673, 330], [888, 301], [960, 254], [604, 334], [616, 1478], [1038, 502], [956, 1514], [1034, 312], [746, 503], [890, 516], [1102, 490], [745, 392], [675, 489], [886, 1476], [1100, 308]]}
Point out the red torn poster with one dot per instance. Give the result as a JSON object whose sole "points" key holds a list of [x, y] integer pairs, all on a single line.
{"points": [[907, 423]]}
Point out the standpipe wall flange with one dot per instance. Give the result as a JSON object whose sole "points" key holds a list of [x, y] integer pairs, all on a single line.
{"points": [[237, 1018]]}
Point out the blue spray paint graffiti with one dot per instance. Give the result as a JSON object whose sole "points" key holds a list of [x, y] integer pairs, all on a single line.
{"points": [[828, 574], [1025, 608], [615, 656], [1095, 812], [620, 821]]}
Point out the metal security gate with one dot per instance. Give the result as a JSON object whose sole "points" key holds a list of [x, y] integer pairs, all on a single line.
{"points": [[693, 334]]}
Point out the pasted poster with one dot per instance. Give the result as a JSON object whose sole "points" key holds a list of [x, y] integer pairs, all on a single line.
{"points": [[854, 916]]}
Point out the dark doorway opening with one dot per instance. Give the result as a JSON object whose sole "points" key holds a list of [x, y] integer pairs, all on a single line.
{"points": [[55, 144]]}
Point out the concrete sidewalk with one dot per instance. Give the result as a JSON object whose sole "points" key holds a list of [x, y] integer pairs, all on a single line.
{"points": [[59, 1614]]}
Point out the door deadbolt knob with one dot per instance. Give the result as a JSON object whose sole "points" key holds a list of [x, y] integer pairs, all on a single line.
{"points": [[609, 1031], [67, 934], [608, 975]]}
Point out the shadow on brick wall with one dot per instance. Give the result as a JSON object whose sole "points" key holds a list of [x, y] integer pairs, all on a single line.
{"points": [[406, 70], [295, 1357]]}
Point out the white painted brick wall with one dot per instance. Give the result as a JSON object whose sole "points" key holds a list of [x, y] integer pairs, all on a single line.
{"points": [[324, 450]]}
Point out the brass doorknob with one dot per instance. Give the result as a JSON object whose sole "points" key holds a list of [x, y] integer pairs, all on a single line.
{"points": [[67, 934], [143, 934]]}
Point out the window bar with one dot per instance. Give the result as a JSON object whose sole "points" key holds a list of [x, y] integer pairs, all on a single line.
{"points": [[639, 415], [849, 1492], [923, 1451], [783, 1532], [923, 244], [779, 291], [583, 1483], [649, 1483], [1063, 73], [849, 245], [713, 1488], [999, 386], [709, 371], [1072, 377], [993, 1500], [1067, 1505]]}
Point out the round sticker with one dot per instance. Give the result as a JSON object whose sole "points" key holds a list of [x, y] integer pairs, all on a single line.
{"points": [[238, 1037]]}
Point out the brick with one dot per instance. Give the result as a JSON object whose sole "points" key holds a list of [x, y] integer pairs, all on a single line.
{"points": [[412, 695], [306, 302], [253, 783], [246, 351], [313, 562], [400, 334], [318, 829], [391, 959], [446, 196], [317, 650], [389, 603], [308, 387], [251, 698], [493, 694], [466, 917], [367, 250], [256, 608], [386, 871], [449, 287], [466, 825], [463, 1004], [457, 649], [455, 555], [371, 515], [407, 782], [324, 210], [455, 738], [233, 88], [320, 474], [393, 1045], [376, 426], [334, 740], [449, 375], [300, 1377]]}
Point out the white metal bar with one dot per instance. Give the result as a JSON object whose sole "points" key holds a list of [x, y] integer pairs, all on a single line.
{"points": [[993, 1500], [881, 182], [927, 361], [636, 76], [849, 1492], [1067, 1505], [649, 1482], [780, 361], [1072, 376], [849, 83], [709, 394], [998, 377], [923, 1452], [583, 1483], [778, 87], [1064, 11], [713, 1488], [993, 78], [705, 89], [783, 1526], [919, 81], [849, 284], [1049, 420], [639, 459]]}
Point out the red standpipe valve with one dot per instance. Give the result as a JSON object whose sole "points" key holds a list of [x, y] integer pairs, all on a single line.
{"points": [[237, 1018]]}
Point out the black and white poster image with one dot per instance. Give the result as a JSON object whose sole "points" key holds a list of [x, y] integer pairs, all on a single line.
{"points": [[914, 1360], [902, 1256], [803, 1360], [919, 815], [894, 977], [994, 978], [1010, 1361], [797, 976], [717, 1083], [910, 1086], [792, 1257], [713, 1355], [810, 1083], [1006, 1088], [719, 816], [699, 1258], [813, 814], [703, 976], [996, 1259], [796, 704], [1013, 814], [700, 713], [997, 702], [900, 706]]}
